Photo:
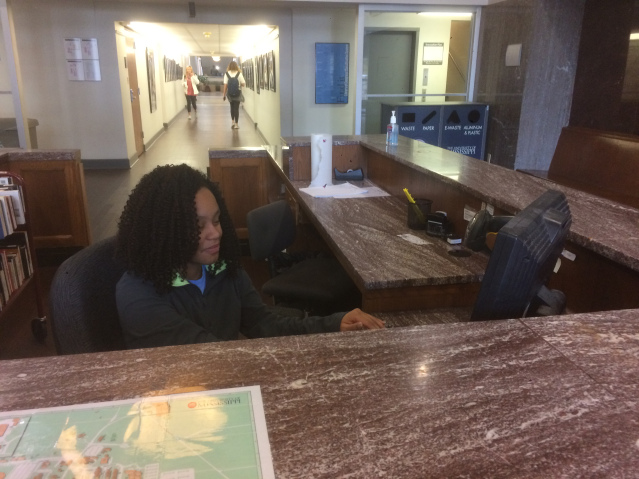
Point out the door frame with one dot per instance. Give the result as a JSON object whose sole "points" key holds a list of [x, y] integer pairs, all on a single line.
{"points": [[414, 35], [363, 8], [132, 74]]}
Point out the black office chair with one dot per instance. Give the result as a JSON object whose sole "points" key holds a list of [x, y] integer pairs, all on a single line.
{"points": [[316, 284], [83, 313]]}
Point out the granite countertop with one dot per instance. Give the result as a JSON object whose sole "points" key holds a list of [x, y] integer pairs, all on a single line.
{"points": [[357, 228], [605, 227], [552, 397], [238, 152], [13, 154]]}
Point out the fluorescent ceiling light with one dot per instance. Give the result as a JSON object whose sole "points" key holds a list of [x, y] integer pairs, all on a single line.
{"points": [[446, 14], [634, 36]]}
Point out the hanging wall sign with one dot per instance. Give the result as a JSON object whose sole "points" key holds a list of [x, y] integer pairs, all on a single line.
{"points": [[433, 54], [331, 72]]}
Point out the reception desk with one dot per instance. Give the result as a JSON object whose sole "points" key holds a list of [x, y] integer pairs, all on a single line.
{"points": [[393, 275], [525, 398], [551, 397]]}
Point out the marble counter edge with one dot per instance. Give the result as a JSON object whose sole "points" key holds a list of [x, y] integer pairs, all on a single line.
{"points": [[239, 152], [16, 154]]}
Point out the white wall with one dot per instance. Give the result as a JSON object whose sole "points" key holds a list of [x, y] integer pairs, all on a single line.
{"points": [[71, 114], [322, 25], [6, 99], [264, 107], [95, 116], [169, 95]]}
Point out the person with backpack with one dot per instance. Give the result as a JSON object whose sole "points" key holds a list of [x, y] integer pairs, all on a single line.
{"points": [[233, 83]]}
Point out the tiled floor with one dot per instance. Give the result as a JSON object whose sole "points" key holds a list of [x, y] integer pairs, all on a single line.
{"points": [[185, 141]]}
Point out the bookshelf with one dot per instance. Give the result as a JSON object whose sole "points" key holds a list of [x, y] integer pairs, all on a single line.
{"points": [[18, 262]]}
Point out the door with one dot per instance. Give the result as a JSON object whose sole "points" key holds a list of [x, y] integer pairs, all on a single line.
{"points": [[390, 56], [135, 96], [458, 59]]}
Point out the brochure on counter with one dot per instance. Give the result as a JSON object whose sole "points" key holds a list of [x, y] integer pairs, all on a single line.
{"points": [[343, 190], [198, 435]]}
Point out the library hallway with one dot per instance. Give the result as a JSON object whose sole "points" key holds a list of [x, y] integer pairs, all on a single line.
{"points": [[184, 141]]}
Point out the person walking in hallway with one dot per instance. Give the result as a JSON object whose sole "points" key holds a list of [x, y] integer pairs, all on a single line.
{"points": [[190, 84], [233, 83]]}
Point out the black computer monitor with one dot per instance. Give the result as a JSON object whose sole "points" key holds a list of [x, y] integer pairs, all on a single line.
{"points": [[522, 261]]}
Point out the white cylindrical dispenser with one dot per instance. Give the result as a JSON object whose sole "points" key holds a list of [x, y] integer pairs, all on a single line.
{"points": [[321, 160]]}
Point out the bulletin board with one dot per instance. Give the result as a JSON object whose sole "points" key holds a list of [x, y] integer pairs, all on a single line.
{"points": [[331, 72]]}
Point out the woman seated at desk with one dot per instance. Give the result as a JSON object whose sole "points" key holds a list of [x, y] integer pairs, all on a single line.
{"points": [[184, 283]]}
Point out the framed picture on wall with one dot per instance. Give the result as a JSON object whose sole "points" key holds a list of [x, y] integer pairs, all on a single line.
{"points": [[258, 76], [150, 70], [265, 71], [271, 70], [331, 72]]}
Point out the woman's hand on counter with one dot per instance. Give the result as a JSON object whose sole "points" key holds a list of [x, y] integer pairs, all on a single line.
{"points": [[356, 320]]}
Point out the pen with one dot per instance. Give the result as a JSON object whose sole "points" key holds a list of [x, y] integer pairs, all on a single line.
{"points": [[418, 212]]}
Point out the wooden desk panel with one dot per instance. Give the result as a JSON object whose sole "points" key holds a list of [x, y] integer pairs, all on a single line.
{"points": [[246, 181], [56, 193], [603, 163]]}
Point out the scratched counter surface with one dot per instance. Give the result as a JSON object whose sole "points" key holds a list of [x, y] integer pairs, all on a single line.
{"points": [[537, 398], [367, 233], [600, 225]]}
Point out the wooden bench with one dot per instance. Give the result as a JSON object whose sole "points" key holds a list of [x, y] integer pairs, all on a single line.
{"points": [[599, 162]]}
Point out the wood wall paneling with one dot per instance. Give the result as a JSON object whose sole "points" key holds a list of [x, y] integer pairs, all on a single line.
{"points": [[57, 198], [416, 298], [394, 177], [594, 283], [243, 185]]}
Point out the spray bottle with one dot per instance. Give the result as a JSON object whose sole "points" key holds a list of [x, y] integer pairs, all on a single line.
{"points": [[392, 131]]}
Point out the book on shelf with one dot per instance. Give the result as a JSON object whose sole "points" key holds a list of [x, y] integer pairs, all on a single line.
{"points": [[4, 297], [6, 271], [7, 216], [15, 192], [18, 243], [16, 282], [16, 263]]}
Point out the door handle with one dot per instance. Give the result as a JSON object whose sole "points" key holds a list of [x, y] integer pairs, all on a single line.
{"points": [[132, 97]]}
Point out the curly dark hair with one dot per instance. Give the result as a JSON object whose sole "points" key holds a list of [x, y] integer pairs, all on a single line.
{"points": [[158, 231]]}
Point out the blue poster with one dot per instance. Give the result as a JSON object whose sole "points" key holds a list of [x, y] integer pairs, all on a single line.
{"points": [[331, 72]]}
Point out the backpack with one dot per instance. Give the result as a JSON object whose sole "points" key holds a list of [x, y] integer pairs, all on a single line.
{"points": [[233, 85]]}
